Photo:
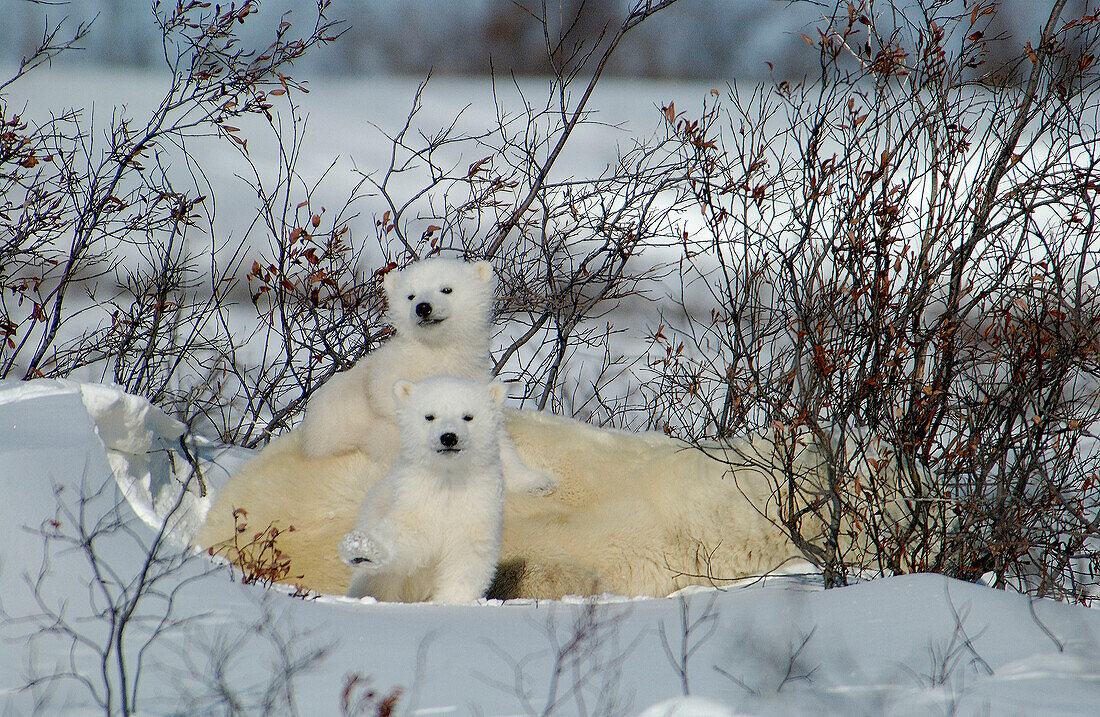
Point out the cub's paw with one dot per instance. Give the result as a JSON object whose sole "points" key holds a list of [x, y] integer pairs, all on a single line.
{"points": [[360, 550], [456, 595], [537, 483]]}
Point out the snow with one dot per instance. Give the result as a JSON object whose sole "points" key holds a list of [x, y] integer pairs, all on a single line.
{"points": [[688, 707], [920, 644]]}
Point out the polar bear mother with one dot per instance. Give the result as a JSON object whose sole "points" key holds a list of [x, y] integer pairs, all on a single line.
{"points": [[633, 514]]}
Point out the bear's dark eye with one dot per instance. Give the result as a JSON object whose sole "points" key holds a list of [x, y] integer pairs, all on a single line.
{"points": [[412, 296], [446, 290], [429, 417], [467, 417]]}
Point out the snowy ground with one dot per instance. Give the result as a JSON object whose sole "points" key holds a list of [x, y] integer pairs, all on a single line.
{"points": [[347, 119], [907, 645]]}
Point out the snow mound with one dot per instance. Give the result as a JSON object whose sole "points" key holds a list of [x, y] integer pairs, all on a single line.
{"points": [[75, 458], [160, 469], [689, 707]]}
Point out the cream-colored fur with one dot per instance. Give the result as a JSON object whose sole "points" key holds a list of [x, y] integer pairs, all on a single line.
{"points": [[441, 311], [633, 514], [430, 529]]}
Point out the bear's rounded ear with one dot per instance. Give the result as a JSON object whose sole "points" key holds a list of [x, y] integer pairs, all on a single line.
{"points": [[402, 389], [389, 280], [497, 392], [483, 270]]}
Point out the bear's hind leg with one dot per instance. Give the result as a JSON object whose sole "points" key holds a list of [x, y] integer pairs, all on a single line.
{"points": [[463, 577], [547, 578]]}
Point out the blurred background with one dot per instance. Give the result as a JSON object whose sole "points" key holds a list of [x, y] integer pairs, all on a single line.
{"points": [[694, 39]]}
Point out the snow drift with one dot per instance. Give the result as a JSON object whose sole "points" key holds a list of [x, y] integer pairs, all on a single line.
{"points": [[87, 459]]}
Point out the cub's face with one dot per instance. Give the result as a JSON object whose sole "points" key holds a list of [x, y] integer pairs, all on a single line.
{"points": [[437, 299], [446, 421]]}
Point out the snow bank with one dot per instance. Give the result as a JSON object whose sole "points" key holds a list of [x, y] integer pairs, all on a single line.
{"points": [[688, 707], [919, 644], [142, 446]]}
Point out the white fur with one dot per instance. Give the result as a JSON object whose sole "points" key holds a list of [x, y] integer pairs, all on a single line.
{"points": [[430, 529], [354, 410], [634, 514]]}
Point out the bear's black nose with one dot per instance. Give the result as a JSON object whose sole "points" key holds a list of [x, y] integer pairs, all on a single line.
{"points": [[449, 440], [423, 309]]}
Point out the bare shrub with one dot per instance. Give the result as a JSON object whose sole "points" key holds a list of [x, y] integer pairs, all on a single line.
{"points": [[108, 638], [317, 305], [584, 657], [111, 265], [690, 638], [358, 698], [108, 259], [568, 249], [899, 261], [212, 681], [258, 556]]}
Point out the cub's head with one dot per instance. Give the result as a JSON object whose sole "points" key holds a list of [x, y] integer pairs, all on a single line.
{"points": [[437, 299], [446, 421]]}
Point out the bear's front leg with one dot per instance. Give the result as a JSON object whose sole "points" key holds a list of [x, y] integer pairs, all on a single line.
{"points": [[518, 477], [382, 443], [360, 550]]}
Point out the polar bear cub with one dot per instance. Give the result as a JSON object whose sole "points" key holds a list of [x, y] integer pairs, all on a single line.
{"points": [[431, 528], [442, 311]]}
